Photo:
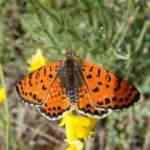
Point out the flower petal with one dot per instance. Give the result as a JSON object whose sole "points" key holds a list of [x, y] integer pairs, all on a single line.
{"points": [[36, 61], [77, 126], [75, 145], [2, 94]]}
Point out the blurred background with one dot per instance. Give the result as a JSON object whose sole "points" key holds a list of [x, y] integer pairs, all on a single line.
{"points": [[113, 33]]}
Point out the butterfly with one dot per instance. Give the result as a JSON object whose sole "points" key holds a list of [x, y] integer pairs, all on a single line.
{"points": [[74, 84]]}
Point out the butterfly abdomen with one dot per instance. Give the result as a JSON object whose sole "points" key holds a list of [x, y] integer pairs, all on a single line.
{"points": [[72, 94]]}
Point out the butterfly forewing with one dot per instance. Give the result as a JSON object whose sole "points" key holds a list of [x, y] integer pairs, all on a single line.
{"points": [[106, 90], [34, 88]]}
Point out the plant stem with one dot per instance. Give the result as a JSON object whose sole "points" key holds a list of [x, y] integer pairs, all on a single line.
{"points": [[6, 112]]}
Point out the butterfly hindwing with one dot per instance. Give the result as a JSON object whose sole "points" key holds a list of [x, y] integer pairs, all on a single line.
{"points": [[86, 105], [57, 102], [106, 90], [34, 87]]}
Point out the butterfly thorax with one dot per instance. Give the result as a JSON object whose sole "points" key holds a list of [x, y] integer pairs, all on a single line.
{"points": [[70, 75]]}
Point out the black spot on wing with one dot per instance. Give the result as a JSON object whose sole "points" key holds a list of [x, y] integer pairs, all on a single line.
{"points": [[50, 68], [30, 83], [50, 75], [91, 68], [96, 89], [30, 94], [34, 96], [54, 108], [88, 106], [121, 99], [45, 105], [44, 87], [107, 85], [118, 85], [89, 76], [98, 73], [136, 97], [100, 103], [108, 77], [37, 75], [25, 93], [44, 71], [107, 101], [100, 83], [58, 107], [114, 98]]}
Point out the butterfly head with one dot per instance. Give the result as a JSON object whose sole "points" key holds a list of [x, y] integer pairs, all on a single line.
{"points": [[70, 54]]}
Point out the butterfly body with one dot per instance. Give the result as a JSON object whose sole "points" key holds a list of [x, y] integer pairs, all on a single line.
{"points": [[70, 78], [65, 85]]}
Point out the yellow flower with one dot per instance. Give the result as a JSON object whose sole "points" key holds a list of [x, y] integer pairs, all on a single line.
{"points": [[2, 86], [36, 61], [77, 126], [2, 94], [75, 145]]}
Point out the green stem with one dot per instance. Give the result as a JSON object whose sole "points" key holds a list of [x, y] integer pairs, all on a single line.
{"points": [[6, 111], [142, 34]]}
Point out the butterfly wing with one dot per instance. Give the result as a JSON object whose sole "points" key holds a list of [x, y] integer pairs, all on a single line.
{"points": [[34, 88], [105, 90], [43, 88], [87, 106], [57, 102]]}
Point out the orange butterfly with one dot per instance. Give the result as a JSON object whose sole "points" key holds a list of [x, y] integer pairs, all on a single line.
{"points": [[64, 85]]}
